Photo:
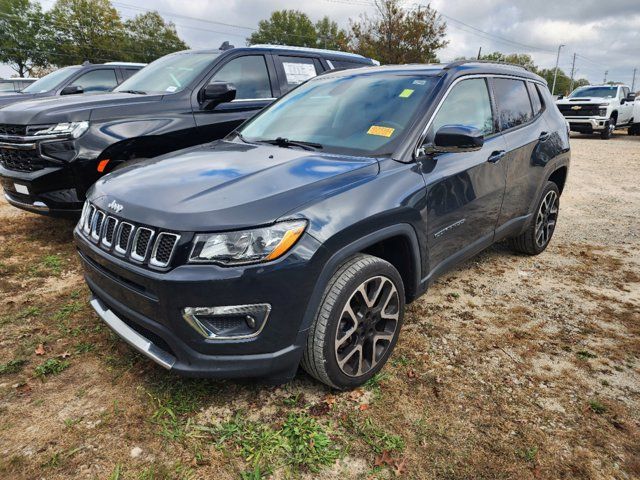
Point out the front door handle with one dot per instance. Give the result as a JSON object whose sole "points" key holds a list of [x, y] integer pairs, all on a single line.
{"points": [[544, 136], [496, 156]]}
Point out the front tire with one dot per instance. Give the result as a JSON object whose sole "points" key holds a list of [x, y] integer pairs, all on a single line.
{"points": [[535, 239], [608, 132], [358, 323]]}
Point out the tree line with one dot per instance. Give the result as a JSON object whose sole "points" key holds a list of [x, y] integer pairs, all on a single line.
{"points": [[74, 31]]}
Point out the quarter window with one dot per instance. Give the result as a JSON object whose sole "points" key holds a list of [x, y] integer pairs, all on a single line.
{"points": [[249, 75], [535, 98], [97, 81], [467, 104], [514, 106]]}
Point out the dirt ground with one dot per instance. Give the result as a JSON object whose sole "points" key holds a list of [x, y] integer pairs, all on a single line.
{"points": [[509, 367]]}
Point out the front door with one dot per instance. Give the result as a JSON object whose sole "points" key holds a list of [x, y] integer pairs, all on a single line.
{"points": [[255, 89], [464, 190]]}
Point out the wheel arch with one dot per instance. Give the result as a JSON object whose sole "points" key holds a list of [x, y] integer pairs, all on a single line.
{"points": [[559, 177]]}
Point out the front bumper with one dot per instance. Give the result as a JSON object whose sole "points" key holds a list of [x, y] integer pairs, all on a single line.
{"points": [[589, 124], [144, 308]]}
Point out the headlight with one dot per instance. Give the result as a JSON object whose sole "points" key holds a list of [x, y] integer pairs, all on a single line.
{"points": [[72, 129], [247, 246]]}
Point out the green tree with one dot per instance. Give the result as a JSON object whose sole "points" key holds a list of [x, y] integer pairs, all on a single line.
{"points": [[25, 37], [87, 30], [286, 27], [397, 35], [330, 36], [149, 37]]}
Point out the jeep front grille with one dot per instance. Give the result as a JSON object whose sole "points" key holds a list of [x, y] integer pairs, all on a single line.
{"points": [[137, 243]]}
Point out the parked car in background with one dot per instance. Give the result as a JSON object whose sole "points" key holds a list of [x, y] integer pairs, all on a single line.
{"points": [[12, 85], [85, 78], [300, 237], [634, 129], [598, 109], [53, 151]]}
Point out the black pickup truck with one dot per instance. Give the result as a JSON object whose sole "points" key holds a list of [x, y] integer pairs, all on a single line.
{"points": [[52, 151]]}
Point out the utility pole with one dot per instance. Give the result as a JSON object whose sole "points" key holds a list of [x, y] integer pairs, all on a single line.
{"points": [[633, 82], [480, 54], [573, 71], [555, 75], [606, 72]]}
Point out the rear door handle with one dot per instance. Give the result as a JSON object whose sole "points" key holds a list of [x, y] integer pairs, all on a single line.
{"points": [[544, 136], [496, 156]]}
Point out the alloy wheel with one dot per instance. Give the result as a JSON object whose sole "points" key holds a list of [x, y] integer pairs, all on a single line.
{"points": [[367, 326], [546, 219]]}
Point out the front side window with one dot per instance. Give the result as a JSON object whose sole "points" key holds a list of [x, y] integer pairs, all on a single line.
{"points": [[346, 113], [466, 104], [103, 80], [169, 74], [512, 99], [249, 75], [51, 81]]}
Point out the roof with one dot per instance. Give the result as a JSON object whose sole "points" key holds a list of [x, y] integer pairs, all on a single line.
{"points": [[127, 64], [17, 78], [311, 50]]}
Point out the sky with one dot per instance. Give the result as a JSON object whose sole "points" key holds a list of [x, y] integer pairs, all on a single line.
{"points": [[604, 35]]}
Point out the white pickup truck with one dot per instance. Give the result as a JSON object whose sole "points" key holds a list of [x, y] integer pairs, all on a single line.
{"points": [[598, 109]]}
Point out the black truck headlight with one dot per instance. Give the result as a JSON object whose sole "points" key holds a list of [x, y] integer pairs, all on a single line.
{"points": [[69, 129], [247, 246]]}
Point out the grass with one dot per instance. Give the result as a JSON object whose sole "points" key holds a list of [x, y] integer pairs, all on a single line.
{"points": [[375, 436], [597, 407], [53, 366], [12, 366], [585, 355]]}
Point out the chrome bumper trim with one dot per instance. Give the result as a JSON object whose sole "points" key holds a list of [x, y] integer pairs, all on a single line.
{"points": [[133, 338], [39, 206]]}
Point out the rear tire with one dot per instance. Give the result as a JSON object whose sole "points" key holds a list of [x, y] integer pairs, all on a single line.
{"points": [[358, 323], [535, 239]]}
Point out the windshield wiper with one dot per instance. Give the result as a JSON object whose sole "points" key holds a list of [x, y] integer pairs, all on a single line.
{"points": [[135, 92], [286, 143]]}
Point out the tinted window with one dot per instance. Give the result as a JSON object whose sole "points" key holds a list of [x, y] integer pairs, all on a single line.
{"points": [[297, 70], [103, 80], [345, 64], [467, 104], [535, 98], [51, 81], [514, 106], [129, 72], [249, 75]]}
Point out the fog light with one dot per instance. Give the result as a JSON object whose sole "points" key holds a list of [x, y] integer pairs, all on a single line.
{"points": [[231, 322]]}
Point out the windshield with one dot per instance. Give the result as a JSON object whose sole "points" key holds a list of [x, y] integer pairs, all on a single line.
{"points": [[361, 114], [51, 81], [601, 92], [168, 74]]}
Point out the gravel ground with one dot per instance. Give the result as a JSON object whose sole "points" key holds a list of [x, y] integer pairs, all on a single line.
{"points": [[509, 367]]}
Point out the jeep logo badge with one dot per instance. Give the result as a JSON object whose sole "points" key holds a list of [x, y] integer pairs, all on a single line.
{"points": [[115, 206], [576, 107]]}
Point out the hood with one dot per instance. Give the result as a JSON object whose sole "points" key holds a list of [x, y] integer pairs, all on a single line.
{"points": [[68, 108], [225, 186], [13, 97], [570, 101]]}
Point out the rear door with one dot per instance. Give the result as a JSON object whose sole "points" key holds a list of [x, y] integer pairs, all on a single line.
{"points": [[626, 108], [521, 119], [255, 80], [296, 69], [464, 190]]}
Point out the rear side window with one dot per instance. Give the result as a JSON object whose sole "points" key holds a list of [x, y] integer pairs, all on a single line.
{"points": [[536, 99], [128, 72], [337, 64], [297, 70], [249, 75], [514, 106], [466, 104], [102, 80]]}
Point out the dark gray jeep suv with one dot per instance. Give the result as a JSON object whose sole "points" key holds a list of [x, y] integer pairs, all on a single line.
{"points": [[300, 237]]}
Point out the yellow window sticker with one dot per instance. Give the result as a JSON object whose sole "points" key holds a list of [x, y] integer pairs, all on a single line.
{"points": [[381, 131], [406, 93]]}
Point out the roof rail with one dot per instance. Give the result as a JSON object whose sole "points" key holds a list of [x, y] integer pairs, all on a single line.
{"points": [[309, 49], [131, 64], [457, 63]]}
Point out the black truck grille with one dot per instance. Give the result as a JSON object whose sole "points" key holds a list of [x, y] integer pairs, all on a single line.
{"points": [[585, 110], [14, 130], [22, 160], [139, 244]]}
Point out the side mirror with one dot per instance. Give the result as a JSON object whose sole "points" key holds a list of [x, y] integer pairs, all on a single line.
{"points": [[458, 138], [631, 97], [560, 97], [72, 90], [218, 92]]}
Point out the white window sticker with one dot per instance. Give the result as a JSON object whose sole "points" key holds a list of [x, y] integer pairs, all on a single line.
{"points": [[171, 89], [298, 72]]}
